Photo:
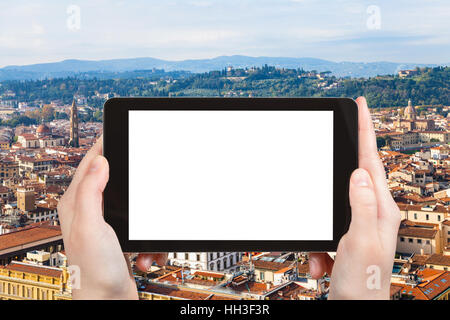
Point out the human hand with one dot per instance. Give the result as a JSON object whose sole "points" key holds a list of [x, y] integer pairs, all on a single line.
{"points": [[366, 253], [90, 243]]}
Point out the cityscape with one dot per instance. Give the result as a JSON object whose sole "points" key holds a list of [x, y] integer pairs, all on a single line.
{"points": [[43, 138]]}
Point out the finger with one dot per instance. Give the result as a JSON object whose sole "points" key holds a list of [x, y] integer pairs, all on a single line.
{"points": [[364, 205], [370, 161], [96, 150], [89, 195], [145, 260], [319, 264], [368, 154], [67, 204]]}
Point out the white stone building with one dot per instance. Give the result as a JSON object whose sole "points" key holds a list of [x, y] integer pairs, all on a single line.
{"points": [[211, 261]]}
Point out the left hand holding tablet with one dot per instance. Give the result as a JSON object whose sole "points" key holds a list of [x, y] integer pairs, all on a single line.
{"points": [[90, 243]]}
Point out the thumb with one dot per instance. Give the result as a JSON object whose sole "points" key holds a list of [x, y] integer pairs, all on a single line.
{"points": [[364, 204], [90, 190]]}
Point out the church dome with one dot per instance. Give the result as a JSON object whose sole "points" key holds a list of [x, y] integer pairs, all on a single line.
{"points": [[410, 108], [43, 129]]}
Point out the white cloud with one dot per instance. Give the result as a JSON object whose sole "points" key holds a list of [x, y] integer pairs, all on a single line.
{"points": [[37, 29], [201, 3]]}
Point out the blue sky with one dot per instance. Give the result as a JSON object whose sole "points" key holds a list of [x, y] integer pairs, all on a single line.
{"points": [[36, 31]]}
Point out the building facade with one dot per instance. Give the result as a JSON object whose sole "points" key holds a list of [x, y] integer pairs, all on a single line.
{"points": [[211, 261]]}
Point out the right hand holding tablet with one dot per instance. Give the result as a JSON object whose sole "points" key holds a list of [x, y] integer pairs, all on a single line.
{"points": [[365, 256]]}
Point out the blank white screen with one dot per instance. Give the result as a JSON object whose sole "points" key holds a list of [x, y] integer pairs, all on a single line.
{"points": [[230, 175]]}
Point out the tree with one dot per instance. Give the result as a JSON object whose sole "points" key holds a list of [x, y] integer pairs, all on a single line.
{"points": [[47, 113], [381, 142]]}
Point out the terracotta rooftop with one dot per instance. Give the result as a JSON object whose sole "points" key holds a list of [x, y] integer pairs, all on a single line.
{"points": [[434, 283], [411, 207], [417, 231], [438, 259], [28, 235], [270, 265], [419, 259], [184, 293], [35, 269], [251, 287], [291, 291]]}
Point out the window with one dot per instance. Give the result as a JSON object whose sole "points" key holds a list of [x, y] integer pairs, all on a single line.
{"points": [[402, 239], [427, 217], [419, 241], [198, 257], [428, 242], [186, 256], [439, 218], [410, 240], [415, 216], [261, 276]]}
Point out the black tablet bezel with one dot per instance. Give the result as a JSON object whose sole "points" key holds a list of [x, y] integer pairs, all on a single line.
{"points": [[115, 149]]}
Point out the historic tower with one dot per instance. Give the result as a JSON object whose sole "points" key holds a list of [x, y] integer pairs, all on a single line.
{"points": [[74, 142], [25, 199]]}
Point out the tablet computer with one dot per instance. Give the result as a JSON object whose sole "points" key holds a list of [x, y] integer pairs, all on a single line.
{"points": [[229, 174]]}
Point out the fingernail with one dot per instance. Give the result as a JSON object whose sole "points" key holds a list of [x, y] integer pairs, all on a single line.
{"points": [[95, 164], [360, 178]]}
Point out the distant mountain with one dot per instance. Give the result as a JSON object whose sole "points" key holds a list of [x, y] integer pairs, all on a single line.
{"points": [[115, 67]]}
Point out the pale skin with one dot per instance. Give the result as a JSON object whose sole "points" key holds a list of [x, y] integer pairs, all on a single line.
{"points": [[92, 245]]}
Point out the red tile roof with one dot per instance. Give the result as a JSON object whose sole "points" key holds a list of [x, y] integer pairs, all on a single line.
{"points": [[35, 269], [28, 235], [184, 293], [434, 283]]}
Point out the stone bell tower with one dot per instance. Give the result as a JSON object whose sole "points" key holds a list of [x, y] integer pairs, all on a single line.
{"points": [[74, 140]]}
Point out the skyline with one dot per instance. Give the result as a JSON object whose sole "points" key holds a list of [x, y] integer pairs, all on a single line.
{"points": [[345, 30]]}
